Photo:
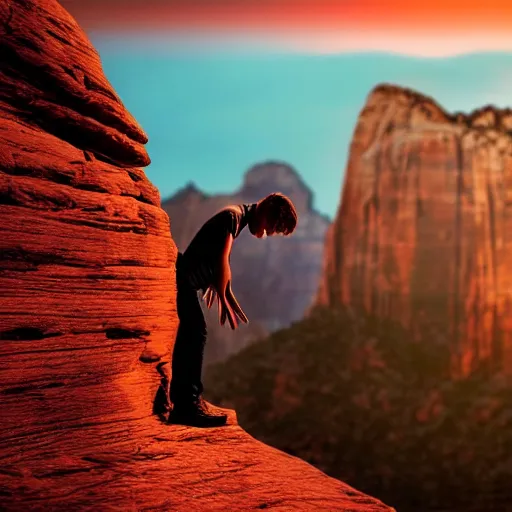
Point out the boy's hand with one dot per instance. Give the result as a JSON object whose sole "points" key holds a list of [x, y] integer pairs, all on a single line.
{"points": [[219, 289], [209, 296], [234, 304], [229, 309]]}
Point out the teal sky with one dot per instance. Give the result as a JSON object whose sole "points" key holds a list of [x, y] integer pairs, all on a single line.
{"points": [[210, 115]]}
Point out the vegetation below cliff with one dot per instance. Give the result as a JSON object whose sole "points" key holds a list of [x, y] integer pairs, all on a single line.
{"points": [[355, 397]]}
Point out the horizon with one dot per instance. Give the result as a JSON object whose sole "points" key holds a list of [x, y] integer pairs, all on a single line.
{"points": [[311, 43]]}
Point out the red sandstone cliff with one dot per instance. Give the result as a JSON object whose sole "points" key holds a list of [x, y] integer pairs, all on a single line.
{"points": [[275, 279], [421, 234], [87, 293]]}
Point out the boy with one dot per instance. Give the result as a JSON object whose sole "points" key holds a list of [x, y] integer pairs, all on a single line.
{"points": [[205, 266]]}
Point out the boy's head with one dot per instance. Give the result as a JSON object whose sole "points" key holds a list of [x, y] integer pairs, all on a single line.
{"points": [[275, 214]]}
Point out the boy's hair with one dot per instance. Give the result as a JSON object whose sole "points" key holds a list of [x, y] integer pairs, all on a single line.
{"points": [[282, 212]]}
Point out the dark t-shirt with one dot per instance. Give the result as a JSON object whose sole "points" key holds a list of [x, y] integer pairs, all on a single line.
{"points": [[199, 261]]}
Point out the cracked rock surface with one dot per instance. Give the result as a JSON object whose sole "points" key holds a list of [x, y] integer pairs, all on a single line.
{"points": [[142, 465]]}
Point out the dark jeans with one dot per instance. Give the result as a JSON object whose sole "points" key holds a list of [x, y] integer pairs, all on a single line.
{"points": [[187, 358]]}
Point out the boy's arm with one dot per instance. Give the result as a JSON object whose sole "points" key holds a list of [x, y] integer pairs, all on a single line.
{"points": [[222, 278], [228, 306]]}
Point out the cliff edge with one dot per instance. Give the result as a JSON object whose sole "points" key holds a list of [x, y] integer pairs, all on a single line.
{"points": [[87, 304]]}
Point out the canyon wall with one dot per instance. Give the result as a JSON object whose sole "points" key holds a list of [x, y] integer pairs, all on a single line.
{"points": [[87, 287], [422, 232]]}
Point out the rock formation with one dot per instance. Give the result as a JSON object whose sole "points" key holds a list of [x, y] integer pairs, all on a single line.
{"points": [[275, 279], [87, 296], [421, 234]]}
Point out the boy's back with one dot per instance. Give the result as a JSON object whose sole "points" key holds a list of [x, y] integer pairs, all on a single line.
{"points": [[205, 249]]}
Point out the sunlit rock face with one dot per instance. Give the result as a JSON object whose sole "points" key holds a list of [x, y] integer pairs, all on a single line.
{"points": [[422, 233], [86, 265], [87, 305]]}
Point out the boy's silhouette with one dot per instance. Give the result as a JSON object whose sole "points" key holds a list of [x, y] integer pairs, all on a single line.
{"points": [[205, 266]]}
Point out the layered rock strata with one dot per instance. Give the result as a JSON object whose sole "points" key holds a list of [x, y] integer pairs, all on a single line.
{"points": [[421, 234]]}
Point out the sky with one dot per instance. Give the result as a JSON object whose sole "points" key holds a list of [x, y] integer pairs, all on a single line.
{"points": [[305, 13], [421, 27], [220, 86]]}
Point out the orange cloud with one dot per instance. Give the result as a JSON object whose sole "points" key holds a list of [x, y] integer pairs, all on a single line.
{"points": [[434, 15]]}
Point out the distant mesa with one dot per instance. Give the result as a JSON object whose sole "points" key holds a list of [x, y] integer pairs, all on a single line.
{"points": [[275, 279], [423, 232], [190, 190], [267, 177]]}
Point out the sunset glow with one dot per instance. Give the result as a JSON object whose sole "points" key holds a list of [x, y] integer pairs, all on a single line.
{"points": [[252, 80], [429, 29], [455, 15]]}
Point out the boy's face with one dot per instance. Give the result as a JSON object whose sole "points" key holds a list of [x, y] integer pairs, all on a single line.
{"points": [[261, 226]]}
